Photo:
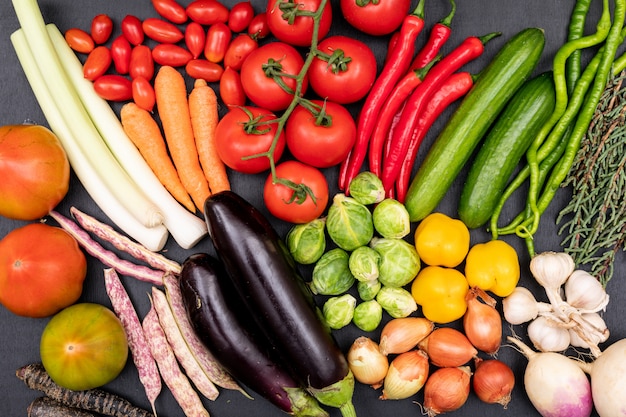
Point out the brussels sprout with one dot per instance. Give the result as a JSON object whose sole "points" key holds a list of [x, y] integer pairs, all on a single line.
{"points": [[349, 223], [307, 242], [339, 311], [363, 263], [331, 274], [367, 188], [399, 261], [368, 289], [367, 315], [398, 302], [391, 219]]}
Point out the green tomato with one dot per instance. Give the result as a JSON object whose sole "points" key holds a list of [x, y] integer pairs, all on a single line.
{"points": [[391, 219], [368, 289], [349, 223], [399, 261], [84, 346], [368, 315], [331, 274], [339, 311], [398, 302], [307, 241], [363, 263], [367, 188]]}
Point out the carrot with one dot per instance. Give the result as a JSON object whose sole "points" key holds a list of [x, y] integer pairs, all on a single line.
{"points": [[47, 407], [145, 133], [94, 400], [173, 108], [204, 118], [137, 343]]}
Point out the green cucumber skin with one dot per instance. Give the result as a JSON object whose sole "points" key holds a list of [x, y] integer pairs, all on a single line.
{"points": [[511, 66], [504, 147]]}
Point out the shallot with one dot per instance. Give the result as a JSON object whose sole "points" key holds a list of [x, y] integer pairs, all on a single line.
{"points": [[482, 322], [448, 347], [403, 334], [447, 389], [493, 381]]}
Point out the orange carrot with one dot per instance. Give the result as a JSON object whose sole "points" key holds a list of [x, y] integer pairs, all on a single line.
{"points": [[204, 118], [145, 133], [173, 108]]}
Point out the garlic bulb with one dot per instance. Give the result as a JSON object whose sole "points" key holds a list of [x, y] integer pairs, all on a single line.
{"points": [[551, 269], [548, 334], [521, 306], [589, 333], [584, 292]]}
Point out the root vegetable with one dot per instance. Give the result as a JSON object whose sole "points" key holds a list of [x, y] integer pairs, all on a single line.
{"points": [[46, 407]]}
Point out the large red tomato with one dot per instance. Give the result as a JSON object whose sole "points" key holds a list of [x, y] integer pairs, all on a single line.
{"points": [[261, 70], [346, 71], [287, 26], [244, 132], [42, 270], [307, 203], [375, 17], [34, 169], [321, 140]]}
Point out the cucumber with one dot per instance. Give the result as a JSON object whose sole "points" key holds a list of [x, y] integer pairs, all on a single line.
{"points": [[503, 148], [497, 83]]}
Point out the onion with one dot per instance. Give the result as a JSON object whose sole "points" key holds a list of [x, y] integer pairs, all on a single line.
{"points": [[448, 347], [482, 322], [493, 381], [446, 390], [367, 364], [406, 376], [403, 334]]}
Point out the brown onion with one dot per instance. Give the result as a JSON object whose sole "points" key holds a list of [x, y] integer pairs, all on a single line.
{"points": [[447, 389], [448, 347], [482, 322], [403, 334], [493, 381], [407, 375]]}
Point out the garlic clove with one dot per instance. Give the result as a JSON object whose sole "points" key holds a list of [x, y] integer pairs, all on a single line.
{"points": [[367, 364], [551, 269], [548, 334], [584, 292], [520, 306], [590, 333]]}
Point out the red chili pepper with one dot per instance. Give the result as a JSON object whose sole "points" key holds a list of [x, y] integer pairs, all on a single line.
{"points": [[455, 87], [393, 70], [439, 35], [471, 48]]}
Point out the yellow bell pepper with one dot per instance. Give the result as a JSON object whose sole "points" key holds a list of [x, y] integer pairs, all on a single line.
{"points": [[493, 266], [441, 240], [441, 293]]}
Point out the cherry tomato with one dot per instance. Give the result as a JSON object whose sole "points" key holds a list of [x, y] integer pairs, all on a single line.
{"points": [[322, 141], [262, 89], [241, 14], [205, 70], [300, 31], [161, 30], [207, 12], [301, 207], [170, 10], [42, 270], [238, 50], [101, 28], [341, 81], [195, 39], [231, 90], [132, 30], [97, 63], [239, 135], [172, 55], [217, 40], [143, 93], [79, 40], [258, 27], [375, 17], [113, 87], [121, 50], [141, 62]]}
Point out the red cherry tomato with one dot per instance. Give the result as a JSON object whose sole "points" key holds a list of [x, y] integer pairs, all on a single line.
{"points": [[231, 89], [141, 62], [258, 27], [114, 87], [170, 10], [298, 32], [195, 39], [207, 12], [101, 28], [238, 50], [341, 81], [205, 70], [121, 50], [172, 55], [143, 93], [376, 17], [301, 207], [79, 40], [323, 141], [161, 30], [241, 14], [237, 138], [97, 63], [262, 89], [217, 40], [132, 30]]}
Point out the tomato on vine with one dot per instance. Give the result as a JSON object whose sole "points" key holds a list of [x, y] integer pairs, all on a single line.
{"points": [[375, 17], [291, 21]]}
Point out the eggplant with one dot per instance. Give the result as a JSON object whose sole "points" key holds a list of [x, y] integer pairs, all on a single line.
{"points": [[265, 275], [214, 309]]}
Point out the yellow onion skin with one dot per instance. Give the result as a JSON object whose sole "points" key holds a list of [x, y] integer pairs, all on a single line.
{"points": [[406, 376], [367, 364], [446, 390], [448, 347], [404, 333]]}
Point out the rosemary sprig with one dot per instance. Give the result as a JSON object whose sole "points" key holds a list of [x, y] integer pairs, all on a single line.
{"points": [[595, 217]]}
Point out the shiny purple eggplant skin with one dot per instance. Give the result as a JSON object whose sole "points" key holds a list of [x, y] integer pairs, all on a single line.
{"points": [[265, 275]]}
